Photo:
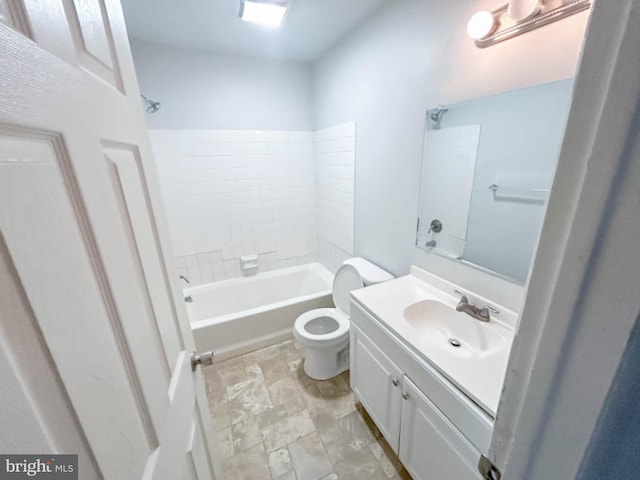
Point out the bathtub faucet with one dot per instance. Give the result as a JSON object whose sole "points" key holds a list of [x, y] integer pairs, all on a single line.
{"points": [[187, 298]]}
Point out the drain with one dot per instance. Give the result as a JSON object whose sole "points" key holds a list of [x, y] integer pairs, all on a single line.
{"points": [[454, 342]]}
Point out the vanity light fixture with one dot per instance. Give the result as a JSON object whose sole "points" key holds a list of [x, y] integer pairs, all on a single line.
{"points": [[481, 25], [487, 28], [264, 12]]}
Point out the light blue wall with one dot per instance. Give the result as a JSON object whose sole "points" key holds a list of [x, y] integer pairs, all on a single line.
{"points": [[205, 90], [412, 56], [521, 133]]}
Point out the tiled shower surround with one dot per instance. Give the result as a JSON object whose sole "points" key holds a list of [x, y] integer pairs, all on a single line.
{"points": [[334, 152], [284, 195]]}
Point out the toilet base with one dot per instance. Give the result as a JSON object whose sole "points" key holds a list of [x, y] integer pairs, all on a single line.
{"points": [[323, 363]]}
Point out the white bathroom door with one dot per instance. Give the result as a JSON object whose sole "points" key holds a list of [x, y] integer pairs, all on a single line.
{"points": [[86, 242]]}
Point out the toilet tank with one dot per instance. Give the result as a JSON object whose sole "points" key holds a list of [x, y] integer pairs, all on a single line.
{"points": [[370, 273]]}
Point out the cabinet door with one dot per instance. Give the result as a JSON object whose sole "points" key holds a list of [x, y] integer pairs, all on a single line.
{"points": [[376, 382], [431, 447]]}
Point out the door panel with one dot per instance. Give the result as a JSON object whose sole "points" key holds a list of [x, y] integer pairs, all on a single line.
{"points": [[10, 14], [136, 213], [5, 16], [49, 27], [34, 382], [93, 41], [84, 229], [170, 461], [44, 237], [96, 38], [197, 450]]}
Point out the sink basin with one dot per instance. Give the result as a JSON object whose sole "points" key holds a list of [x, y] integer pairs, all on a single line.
{"points": [[443, 325], [418, 310]]}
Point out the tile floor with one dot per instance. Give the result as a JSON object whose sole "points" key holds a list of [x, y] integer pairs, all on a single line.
{"points": [[275, 423]]}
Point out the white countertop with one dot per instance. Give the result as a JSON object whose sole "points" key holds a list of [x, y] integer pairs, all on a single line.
{"points": [[480, 376]]}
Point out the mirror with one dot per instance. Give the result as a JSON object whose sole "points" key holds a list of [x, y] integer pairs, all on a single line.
{"points": [[487, 168]]}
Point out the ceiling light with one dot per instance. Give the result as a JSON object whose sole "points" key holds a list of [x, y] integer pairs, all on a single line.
{"points": [[268, 13]]}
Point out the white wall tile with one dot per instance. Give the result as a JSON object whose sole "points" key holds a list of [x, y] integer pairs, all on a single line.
{"points": [[447, 185], [230, 193], [285, 195], [334, 150]]}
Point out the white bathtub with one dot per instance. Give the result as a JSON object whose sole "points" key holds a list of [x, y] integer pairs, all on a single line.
{"points": [[236, 316]]}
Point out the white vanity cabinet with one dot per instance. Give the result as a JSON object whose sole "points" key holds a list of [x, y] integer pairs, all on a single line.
{"points": [[377, 382], [428, 443], [431, 447]]}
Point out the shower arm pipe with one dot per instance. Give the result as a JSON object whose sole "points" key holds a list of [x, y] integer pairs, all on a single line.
{"points": [[150, 106], [436, 115]]}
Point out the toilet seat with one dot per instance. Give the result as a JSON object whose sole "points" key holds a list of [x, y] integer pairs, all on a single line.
{"points": [[324, 332], [337, 335], [347, 278]]}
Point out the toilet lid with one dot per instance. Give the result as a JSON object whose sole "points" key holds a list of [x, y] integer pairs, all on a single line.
{"points": [[347, 278]]}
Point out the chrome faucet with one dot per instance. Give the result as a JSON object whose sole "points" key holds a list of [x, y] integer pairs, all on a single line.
{"points": [[431, 243], [481, 314]]}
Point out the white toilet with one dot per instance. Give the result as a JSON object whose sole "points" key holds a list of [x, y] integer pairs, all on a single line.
{"points": [[324, 332]]}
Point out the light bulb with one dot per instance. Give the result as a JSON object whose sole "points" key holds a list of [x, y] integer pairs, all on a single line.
{"points": [[481, 25]]}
